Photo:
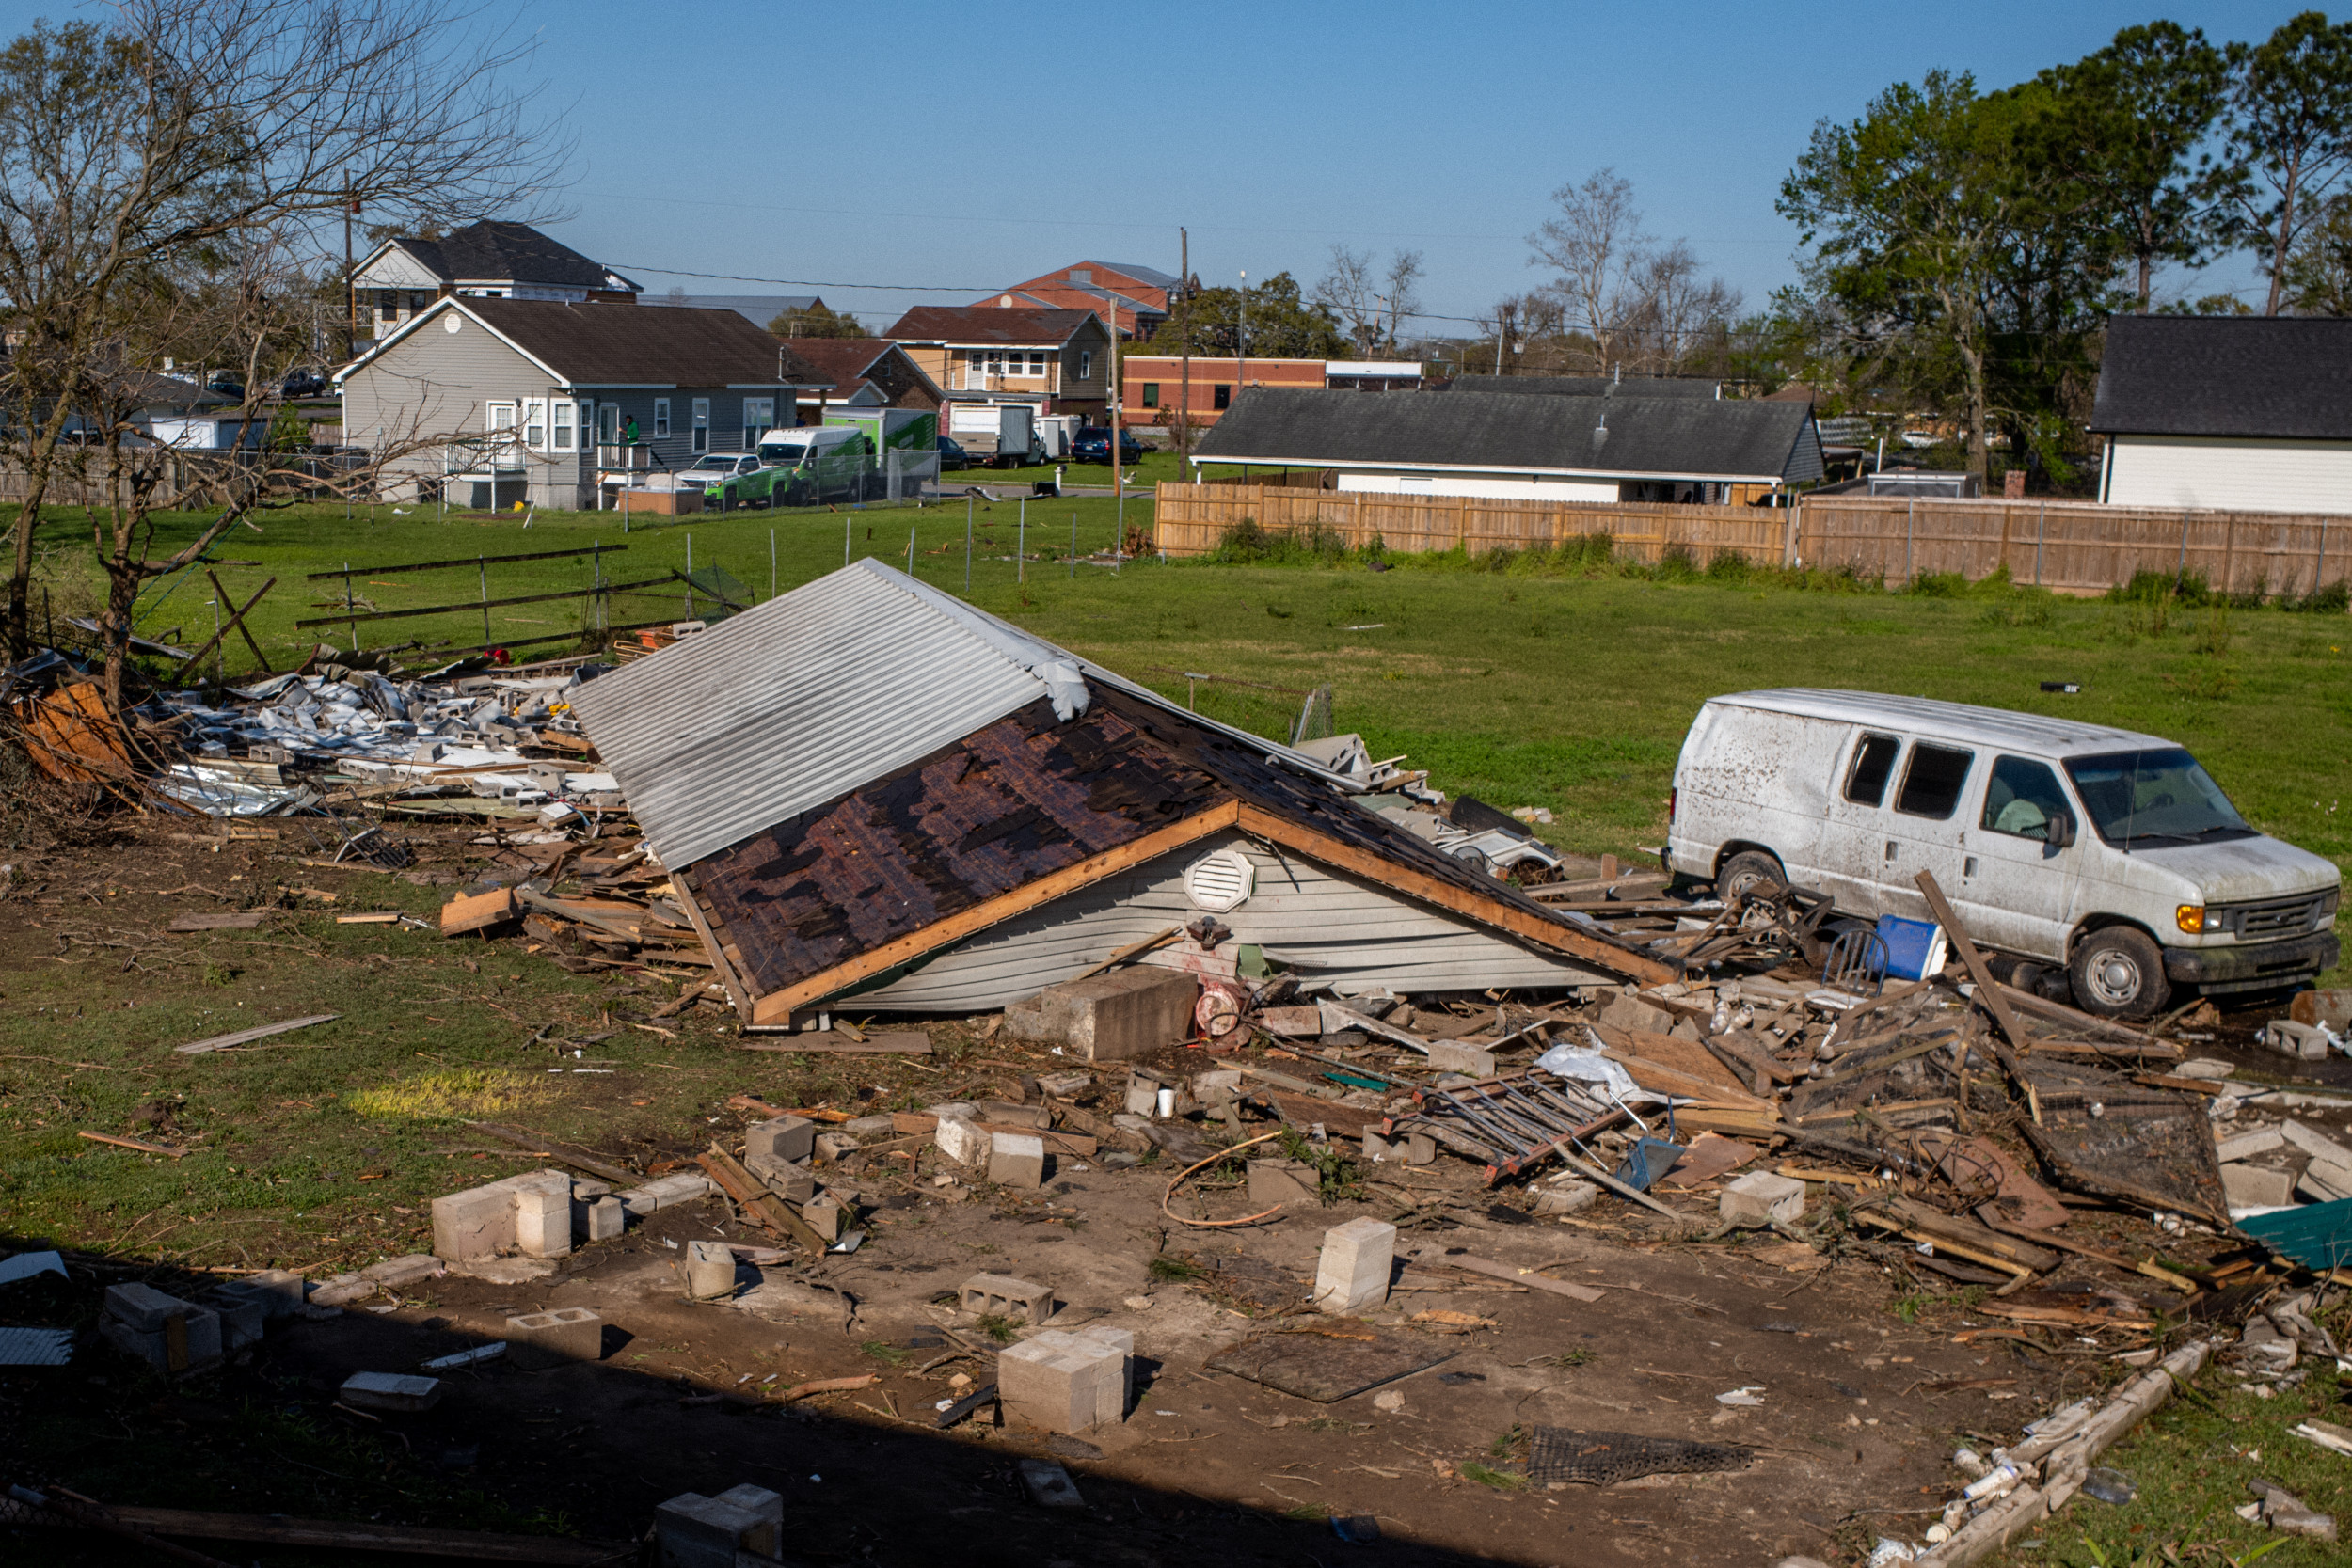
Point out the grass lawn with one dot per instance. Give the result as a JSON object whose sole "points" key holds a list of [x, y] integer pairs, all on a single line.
{"points": [[1569, 690]]}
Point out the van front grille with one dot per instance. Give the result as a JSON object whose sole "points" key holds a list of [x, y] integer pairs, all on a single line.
{"points": [[2276, 917]]}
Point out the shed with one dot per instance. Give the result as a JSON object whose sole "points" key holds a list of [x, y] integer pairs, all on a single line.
{"points": [[2243, 413], [1569, 448], [866, 787]]}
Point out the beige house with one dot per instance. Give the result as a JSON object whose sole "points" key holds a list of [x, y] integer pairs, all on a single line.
{"points": [[1055, 361]]}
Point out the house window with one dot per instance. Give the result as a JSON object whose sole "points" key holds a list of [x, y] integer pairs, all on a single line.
{"points": [[1222, 397], [759, 416], [1037, 364], [701, 424], [388, 304], [535, 423], [1151, 394], [662, 417], [564, 411], [1086, 364]]}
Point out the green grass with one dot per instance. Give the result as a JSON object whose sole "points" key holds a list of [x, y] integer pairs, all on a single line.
{"points": [[2190, 1463]]}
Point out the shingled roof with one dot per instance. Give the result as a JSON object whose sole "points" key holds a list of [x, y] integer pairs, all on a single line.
{"points": [[491, 251], [987, 324], [1590, 385], [2282, 376], [1679, 437], [612, 344]]}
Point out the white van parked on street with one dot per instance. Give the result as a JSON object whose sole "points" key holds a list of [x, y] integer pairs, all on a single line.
{"points": [[2110, 856]]}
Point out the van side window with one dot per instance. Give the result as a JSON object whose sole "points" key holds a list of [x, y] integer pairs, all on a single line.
{"points": [[1931, 783], [1873, 765], [2020, 798]]}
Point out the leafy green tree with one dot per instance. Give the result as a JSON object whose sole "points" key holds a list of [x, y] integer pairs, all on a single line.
{"points": [[1278, 324], [2127, 125], [1911, 212], [2291, 130], [2319, 271], [818, 321]]}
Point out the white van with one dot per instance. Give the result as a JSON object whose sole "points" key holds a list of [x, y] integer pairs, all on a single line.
{"points": [[2112, 856], [823, 463]]}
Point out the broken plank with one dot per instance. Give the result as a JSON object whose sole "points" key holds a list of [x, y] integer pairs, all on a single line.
{"points": [[1528, 1278], [376, 917], [261, 1031], [479, 912], [898, 1042], [463, 1545], [224, 920], [756, 1199], [133, 1143]]}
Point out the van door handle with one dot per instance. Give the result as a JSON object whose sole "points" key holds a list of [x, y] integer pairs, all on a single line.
{"points": [[1890, 848]]}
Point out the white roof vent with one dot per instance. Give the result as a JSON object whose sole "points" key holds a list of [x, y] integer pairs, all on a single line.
{"points": [[1220, 880]]}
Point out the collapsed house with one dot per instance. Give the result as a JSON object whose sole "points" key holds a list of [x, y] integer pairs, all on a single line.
{"points": [[870, 789]]}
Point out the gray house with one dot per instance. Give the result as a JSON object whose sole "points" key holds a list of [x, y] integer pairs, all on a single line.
{"points": [[507, 400], [1519, 446]]}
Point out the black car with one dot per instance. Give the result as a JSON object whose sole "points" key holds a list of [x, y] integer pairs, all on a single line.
{"points": [[952, 455], [303, 384], [1094, 445], [225, 386]]}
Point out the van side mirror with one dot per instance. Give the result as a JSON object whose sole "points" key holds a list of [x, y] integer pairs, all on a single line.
{"points": [[2060, 832]]}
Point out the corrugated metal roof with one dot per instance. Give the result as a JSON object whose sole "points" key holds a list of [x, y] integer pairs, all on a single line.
{"points": [[806, 697], [797, 702], [1986, 726]]}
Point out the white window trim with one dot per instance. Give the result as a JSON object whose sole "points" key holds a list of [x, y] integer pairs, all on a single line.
{"points": [[701, 429], [660, 417], [562, 431], [535, 415], [1086, 364]]}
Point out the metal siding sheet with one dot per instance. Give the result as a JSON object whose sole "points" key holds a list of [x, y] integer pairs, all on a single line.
{"points": [[791, 705], [1330, 927]]}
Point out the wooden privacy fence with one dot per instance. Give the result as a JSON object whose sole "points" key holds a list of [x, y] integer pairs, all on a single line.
{"points": [[1192, 519], [2071, 547], [2074, 547]]}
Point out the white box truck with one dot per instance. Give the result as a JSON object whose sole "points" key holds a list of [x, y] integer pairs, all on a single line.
{"points": [[1002, 435], [2099, 858]]}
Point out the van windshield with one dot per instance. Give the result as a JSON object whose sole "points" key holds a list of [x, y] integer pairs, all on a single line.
{"points": [[784, 456], [2155, 797]]}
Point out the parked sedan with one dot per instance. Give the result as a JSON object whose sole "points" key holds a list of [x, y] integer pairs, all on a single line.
{"points": [[952, 455], [1094, 445], [731, 479]]}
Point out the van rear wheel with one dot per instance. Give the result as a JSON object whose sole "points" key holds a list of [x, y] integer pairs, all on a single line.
{"points": [[2118, 973], [1746, 872]]}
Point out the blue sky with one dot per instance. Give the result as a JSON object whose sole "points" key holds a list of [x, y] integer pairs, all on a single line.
{"points": [[972, 145]]}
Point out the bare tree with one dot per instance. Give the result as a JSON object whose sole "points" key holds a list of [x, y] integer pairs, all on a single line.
{"points": [[1638, 304], [177, 129], [1403, 298], [1347, 290]]}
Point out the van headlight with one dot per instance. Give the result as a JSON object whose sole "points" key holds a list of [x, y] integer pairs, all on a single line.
{"points": [[2193, 919]]}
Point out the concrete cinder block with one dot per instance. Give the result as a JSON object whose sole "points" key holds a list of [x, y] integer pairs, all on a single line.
{"points": [[1109, 1017], [1353, 1272], [476, 1223], [785, 1138], [390, 1391], [1292, 1183], [766, 1539], [242, 1317], [562, 1334], [1565, 1198], [600, 1219], [1067, 1381], [285, 1288], [2317, 1144], [1005, 1296], [791, 1183], [2246, 1145], [961, 1140], [710, 1270], [831, 1147], [178, 1343], [2324, 1182], [1762, 1198], [1143, 1095], [827, 1215], [2306, 1042], [142, 1306], [666, 1192], [2253, 1187], [543, 1222], [1016, 1159], [1420, 1150], [694, 1531], [408, 1270]]}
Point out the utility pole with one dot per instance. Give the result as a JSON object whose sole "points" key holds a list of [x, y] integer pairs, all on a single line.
{"points": [[1241, 335], [1118, 485], [351, 284], [1184, 332]]}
